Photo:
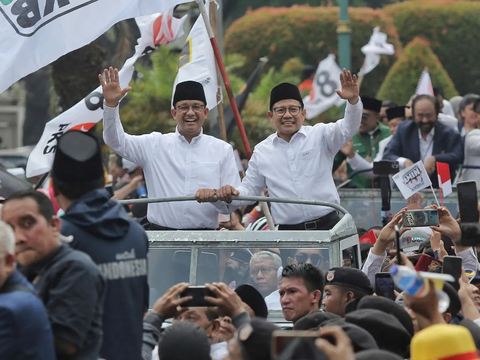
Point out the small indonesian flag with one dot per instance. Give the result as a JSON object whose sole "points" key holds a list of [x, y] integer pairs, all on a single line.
{"points": [[444, 180], [369, 238]]}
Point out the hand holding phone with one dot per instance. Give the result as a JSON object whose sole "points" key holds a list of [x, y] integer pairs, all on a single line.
{"points": [[198, 294], [384, 285], [452, 265], [469, 216], [421, 218]]}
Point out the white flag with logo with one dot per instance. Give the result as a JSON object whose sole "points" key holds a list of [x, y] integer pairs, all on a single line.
{"points": [[323, 96], [197, 62], [424, 86], [412, 179], [376, 46], [34, 33], [154, 30]]}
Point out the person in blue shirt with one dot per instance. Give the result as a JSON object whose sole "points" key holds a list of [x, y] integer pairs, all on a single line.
{"points": [[25, 332]]}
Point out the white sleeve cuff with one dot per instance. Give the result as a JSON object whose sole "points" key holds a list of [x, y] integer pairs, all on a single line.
{"points": [[401, 162], [358, 163], [110, 113]]}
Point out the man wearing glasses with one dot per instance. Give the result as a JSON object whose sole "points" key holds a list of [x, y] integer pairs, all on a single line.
{"points": [[296, 162], [174, 164]]}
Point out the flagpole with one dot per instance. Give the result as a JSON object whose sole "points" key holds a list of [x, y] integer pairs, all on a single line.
{"points": [[360, 78], [228, 87], [431, 187], [221, 117]]}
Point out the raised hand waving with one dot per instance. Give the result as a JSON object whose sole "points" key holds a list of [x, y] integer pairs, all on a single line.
{"points": [[112, 92], [350, 90]]}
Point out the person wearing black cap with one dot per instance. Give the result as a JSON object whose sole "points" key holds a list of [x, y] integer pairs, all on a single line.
{"points": [[366, 142], [296, 159], [67, 281], [425, 139], [342, 285], [176, 164], [395, 115], [102, 229]]}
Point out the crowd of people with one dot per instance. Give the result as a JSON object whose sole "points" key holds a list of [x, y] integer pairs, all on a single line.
{"points": [[75, 260]]}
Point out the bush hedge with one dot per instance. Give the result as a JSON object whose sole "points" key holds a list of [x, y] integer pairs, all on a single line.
{"points": [[308, 33], [453, 31], [402, 79]]}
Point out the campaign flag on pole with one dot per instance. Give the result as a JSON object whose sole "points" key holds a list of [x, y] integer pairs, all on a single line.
{"points": [[376, 46], [197, 62], [444, 179], [323, 96], [155, 29], [424, 86], [412, 179], [34, 33]]}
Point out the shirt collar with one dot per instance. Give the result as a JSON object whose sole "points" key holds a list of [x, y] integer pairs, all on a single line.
{"points": [[300, 131], [194, 140], [430, 135], [43, 265], [373, 131]]}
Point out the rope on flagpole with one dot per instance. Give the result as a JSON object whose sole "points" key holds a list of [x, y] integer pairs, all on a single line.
{"points": [[226, 82]]}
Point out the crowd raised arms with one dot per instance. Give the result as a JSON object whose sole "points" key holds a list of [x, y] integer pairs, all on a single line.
{"points": [[86, 287]]}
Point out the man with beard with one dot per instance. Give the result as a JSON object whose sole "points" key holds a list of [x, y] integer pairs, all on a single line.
{"points": [[426, 140]]}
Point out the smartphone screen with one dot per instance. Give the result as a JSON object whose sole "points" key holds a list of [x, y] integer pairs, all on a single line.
{"points": [[468, 201], [384, 285], [416, 218], [452, 265], [198, 294]]}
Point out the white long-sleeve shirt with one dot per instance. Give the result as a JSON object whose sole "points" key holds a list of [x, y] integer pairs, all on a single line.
{"points": [[174, 167], [301, 168]]}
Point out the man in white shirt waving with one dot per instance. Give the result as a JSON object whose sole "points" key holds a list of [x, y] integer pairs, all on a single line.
{"points": [[174, 164], [296, 162]]}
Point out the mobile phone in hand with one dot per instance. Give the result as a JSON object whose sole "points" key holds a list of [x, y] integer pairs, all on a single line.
{"points": [[420, 218], [198, 294], [452, 265], [468, 206], [384, 285]]}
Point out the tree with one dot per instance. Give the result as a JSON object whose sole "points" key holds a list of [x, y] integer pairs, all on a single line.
{"points": [[402, 79]]}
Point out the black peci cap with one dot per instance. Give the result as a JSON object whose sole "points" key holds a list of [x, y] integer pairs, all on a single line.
{"points": [[396, 112], [372, 104], [285, 91], [189, 90]]}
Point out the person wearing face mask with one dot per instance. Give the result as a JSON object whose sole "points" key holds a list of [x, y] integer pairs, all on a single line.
{"points": [[296, 161], [182, 163], [425, 139]]}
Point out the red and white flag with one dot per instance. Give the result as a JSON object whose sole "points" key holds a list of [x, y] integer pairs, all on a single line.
{"points": [[444, 180], [424, 86]]}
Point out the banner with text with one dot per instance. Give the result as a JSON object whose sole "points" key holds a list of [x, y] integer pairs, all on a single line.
{"points": [[323, 96], [155, 30], [34, 33], [412, 179]]}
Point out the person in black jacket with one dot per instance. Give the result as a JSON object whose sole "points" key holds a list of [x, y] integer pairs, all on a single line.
{"points": [[102, 229]]}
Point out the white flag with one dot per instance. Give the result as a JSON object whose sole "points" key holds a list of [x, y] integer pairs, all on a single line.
{"points": [[197, 62], [34, 33], [154, 30], [424, 86], [412, 179], [376, 46], [323, 96]]}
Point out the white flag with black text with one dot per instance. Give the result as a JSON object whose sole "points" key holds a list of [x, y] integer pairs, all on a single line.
{"points": [[323, 96], [155, 30], [197, 62], [412, 179], [34, 33]]}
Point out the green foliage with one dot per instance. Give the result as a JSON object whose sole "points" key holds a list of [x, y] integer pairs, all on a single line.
{"points": [[453, 31], [402, 79], [309, 34], [148, 107]]}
